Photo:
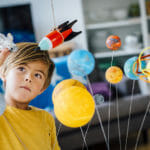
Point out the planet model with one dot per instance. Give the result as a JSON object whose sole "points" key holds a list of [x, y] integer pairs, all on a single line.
{"points": [[81, 62], [74, 106], [65, 84], [114, 74], [113, 42], [130, 68]]}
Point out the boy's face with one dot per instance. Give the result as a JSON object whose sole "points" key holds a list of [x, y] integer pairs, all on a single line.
{"points": [[24, 82]]}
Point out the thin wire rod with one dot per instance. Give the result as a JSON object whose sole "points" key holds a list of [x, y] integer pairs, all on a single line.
{"points": [[130, 109], [83, 136], [118, 118], [139, 132], [57, 135], [98, 115], [109, 101]]}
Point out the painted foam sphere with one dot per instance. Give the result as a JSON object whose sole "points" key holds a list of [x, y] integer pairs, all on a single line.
{"points": [[99, 99], [81, 62], [73, 105], [114, 74], [65, 84], [113, 42], [129, 66]]}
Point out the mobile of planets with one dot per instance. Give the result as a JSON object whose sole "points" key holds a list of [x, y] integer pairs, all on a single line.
{"points": [[114, 74], [99, 99], [129, 68], [81, 62], [73, 105], [113, 42]]}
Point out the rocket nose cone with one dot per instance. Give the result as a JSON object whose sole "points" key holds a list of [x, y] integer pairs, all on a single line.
{"points": [[45, 44]]}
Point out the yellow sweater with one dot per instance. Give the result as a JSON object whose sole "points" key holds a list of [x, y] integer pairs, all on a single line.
{"points": [[27, 130]]}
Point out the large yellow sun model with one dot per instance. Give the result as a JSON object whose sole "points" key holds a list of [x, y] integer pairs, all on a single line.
{"points": [[73, 104]]}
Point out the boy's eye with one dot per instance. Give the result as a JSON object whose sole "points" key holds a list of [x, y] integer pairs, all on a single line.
{"points": [[21, 68], [38, 75]]}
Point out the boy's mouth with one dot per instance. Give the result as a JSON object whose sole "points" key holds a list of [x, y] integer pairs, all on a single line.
{"points": [[26, 88]]}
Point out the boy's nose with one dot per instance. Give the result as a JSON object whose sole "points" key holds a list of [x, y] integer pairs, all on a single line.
{"points": [[28, 80]]}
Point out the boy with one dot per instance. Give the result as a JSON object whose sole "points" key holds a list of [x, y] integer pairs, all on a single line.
{"points": [[26, 73]]}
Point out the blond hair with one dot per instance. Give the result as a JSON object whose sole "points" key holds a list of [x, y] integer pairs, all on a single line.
{"points": [[28, 52]]}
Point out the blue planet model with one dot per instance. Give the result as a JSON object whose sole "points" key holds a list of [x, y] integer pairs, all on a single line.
{"points": [[81, 62], [128, 68]]}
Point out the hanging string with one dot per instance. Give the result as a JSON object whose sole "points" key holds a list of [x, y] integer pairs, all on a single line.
{"points": [[53, 14]]}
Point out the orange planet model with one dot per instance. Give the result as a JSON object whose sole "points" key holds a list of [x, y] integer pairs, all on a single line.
{"points": [[113, 42], [74, 106], [114, 75]]}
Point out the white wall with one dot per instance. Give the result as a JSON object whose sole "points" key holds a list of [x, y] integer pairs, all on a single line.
{"points": [[42, 16]]}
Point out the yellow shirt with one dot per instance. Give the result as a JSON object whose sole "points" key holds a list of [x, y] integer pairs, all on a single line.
{"points": [[27, 130]]}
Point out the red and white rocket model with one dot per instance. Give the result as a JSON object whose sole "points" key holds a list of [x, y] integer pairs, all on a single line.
{"points": [[58, 36]]}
